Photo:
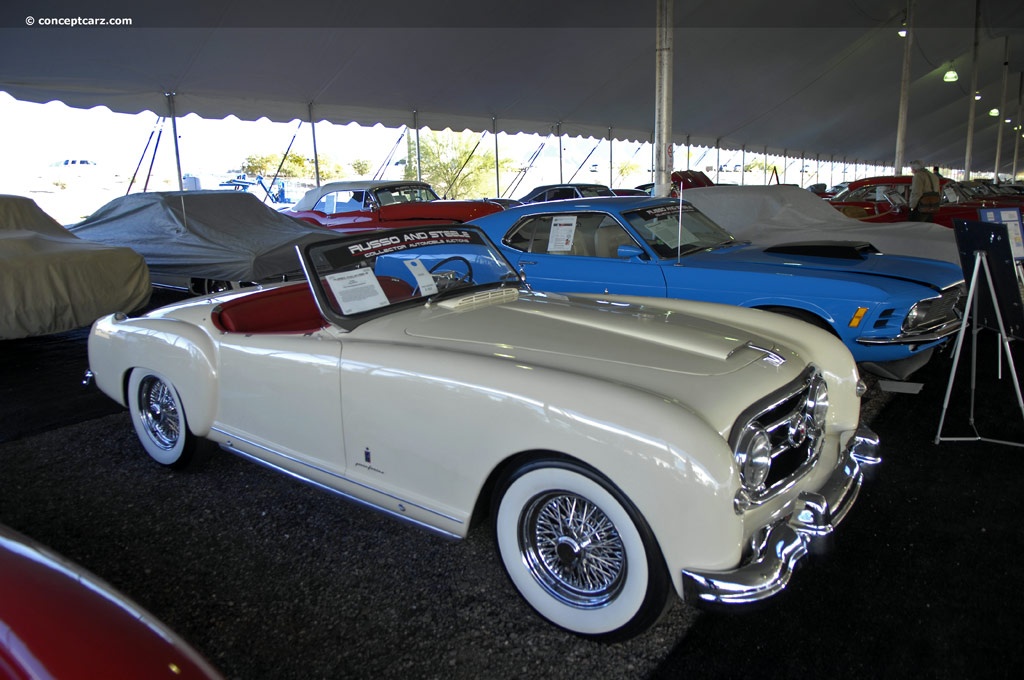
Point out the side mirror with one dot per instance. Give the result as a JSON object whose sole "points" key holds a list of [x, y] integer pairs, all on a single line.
{"points": [[628, 252]]}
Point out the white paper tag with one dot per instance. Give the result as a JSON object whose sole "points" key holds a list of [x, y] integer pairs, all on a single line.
{"points": [[424, 279], [357, 290], [563, 231]]}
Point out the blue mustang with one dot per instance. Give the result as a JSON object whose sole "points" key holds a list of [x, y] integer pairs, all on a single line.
{"points": [[891, 311]]}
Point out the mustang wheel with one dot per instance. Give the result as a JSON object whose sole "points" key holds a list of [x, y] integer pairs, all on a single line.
{"points": [[579, 552], [159, 419]]}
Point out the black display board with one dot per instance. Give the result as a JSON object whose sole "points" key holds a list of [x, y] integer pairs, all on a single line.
{"points": [[993, 240]]}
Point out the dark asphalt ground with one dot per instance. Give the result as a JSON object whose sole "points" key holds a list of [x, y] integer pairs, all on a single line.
{"points": [[270, 578]]}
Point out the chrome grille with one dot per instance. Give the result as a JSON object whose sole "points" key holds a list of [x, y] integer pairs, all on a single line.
{"points": [[938, 311], [795, 443]]}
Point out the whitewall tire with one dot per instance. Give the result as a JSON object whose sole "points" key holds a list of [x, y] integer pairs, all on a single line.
{"points": [[578, 551], [159, 418]]}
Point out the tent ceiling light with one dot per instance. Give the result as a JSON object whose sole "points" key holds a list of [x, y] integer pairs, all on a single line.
{"points": [[950, 76]]}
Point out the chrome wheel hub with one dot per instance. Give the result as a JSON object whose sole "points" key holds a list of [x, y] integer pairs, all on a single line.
{"points": [[572, 549], [159, 412]]}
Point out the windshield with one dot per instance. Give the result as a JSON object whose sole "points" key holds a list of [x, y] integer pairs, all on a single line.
{"points": [[594, 190], [405, 193], [362, 276], [672, 229]]}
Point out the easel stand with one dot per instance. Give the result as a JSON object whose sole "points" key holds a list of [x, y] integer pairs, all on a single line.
{"points": [[980, 264]]}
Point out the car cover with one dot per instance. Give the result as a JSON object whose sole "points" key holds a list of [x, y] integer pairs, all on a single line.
{"points": [[769, 215], [51, 281], [219, 235]]}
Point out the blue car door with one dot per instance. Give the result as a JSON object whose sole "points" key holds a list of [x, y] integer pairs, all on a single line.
{"points": [[578, 252]]}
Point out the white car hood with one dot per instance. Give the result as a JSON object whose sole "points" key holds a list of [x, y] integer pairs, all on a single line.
{"points": [[564, 330]]}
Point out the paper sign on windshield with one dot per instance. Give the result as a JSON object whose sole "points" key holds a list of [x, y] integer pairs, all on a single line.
{"points": [[357, 290], [424, 280], [671, 235], [563, 231]]}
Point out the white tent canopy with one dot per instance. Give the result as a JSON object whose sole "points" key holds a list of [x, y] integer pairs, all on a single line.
{"points": [[803, 77]]}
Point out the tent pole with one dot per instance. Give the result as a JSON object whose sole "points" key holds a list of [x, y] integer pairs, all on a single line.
{"points": [[1018, 130], [1002, 112], [497, 162], [663, 98], [901, 121], [316, 155], [174, 129], [558, 132], [416, 138], [152, 159], [611, 166], [970, 95], [159, 124]]}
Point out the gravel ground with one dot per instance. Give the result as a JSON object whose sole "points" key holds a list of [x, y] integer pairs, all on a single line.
{"points": [[270, 578]]}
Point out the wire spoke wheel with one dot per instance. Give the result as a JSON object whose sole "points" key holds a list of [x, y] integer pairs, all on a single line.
{"points": [[159, 419], [578, 551], [159, 412], [572, 549]]}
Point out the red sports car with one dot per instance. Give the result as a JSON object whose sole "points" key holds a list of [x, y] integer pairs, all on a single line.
{"points": [[886, 199], [374, 204]]}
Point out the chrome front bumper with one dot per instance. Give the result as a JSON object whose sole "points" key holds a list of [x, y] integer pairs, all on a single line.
{"points": [[940, 333], [815, 515]]}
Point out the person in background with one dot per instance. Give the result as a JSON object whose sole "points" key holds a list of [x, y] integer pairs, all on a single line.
{"points": [[924, 193]]}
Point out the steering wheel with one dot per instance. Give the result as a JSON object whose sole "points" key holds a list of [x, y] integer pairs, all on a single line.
{"points": [[449, 276]]}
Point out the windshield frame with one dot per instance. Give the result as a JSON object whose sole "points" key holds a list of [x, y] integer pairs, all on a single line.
{"points": [[679, 213], [353, 270], [411, 192]]}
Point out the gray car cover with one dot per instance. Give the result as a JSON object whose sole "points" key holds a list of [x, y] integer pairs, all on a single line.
{"points": [[216, 235], [51, 281], [770, 215]]}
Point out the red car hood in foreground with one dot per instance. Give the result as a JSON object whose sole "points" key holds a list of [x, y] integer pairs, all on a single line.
{"points": [[59, 621]]}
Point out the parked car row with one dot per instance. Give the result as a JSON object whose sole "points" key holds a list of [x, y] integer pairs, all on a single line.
{"points": [[886, 199]]}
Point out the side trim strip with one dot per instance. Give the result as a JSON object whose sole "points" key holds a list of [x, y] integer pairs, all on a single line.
{"points": [[347, 480]]}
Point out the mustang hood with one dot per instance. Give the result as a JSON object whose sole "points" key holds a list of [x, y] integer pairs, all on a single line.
{"points": [[580, 332], [932, 273]]}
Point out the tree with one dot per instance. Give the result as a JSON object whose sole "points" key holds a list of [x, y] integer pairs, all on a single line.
{"points": [[454, 163], [361, 167], [624, 170], [260, 165]]}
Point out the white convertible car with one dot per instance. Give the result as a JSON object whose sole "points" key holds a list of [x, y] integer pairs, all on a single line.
{"points": [[624, 448]]}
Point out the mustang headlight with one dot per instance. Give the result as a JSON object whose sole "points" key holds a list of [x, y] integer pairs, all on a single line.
{"points": [[754, 456], [916, 316]]}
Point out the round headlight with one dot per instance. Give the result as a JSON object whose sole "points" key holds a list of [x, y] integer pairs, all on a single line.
{"points": [[819, 404], [916, 316], [754, 456]]}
